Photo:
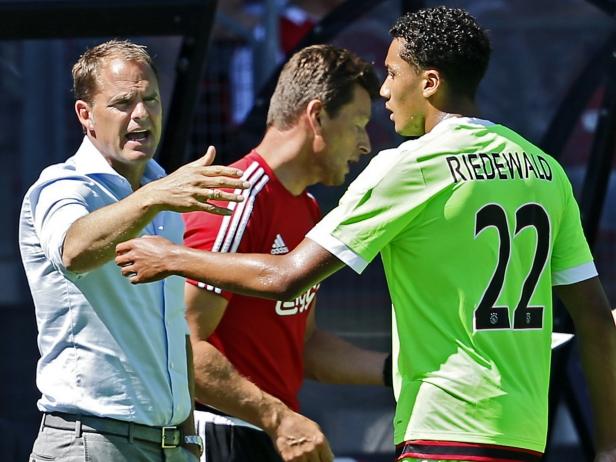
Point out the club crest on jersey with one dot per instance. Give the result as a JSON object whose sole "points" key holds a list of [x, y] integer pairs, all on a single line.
{"points": [[299, 305], [279, 247]]}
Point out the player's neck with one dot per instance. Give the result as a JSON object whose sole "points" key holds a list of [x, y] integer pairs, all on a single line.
{"points": [[284, 152], [463, 108]]}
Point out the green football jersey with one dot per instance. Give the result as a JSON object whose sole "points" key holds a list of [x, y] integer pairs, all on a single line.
{"points": [[474, 225]]}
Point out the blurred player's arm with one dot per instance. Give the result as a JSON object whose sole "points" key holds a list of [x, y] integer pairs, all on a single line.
{"points": [[330, 359], [596, 333], [280, 277], [219, 384], [188, 426]]}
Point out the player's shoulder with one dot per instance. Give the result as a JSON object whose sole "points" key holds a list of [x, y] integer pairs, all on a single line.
{"points": [[246, 161]]}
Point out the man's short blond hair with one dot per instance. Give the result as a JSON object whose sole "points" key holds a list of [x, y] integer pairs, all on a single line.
{"points": [[86, 71]]}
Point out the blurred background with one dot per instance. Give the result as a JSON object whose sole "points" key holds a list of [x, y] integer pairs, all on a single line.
{"points": [[552, 78]]}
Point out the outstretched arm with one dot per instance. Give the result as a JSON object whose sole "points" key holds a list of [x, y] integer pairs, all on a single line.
{"points": [[280, 277], [596, 333], [90, 241]]}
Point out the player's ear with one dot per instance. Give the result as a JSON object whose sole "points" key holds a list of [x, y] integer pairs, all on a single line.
{"points": [[314, 113], [431, 82]]}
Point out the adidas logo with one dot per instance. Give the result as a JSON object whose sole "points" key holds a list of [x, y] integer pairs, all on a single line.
{"points": [[279, 247]]}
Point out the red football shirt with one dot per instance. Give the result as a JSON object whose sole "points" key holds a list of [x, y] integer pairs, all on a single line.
{"points": [[263, 339]]}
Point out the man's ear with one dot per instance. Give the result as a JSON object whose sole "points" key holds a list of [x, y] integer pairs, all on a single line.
{"points": [[84, 114], [431, 82], [314, 114]]}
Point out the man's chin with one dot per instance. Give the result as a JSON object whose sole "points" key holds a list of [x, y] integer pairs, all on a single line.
{"points": [[340, 179], [139, 155]]}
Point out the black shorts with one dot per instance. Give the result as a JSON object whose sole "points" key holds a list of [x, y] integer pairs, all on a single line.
{"points": [[236, 443]]}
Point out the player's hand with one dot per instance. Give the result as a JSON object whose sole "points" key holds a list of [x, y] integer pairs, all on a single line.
{"points": [[144, 259], [299, 439], [192, 186]]}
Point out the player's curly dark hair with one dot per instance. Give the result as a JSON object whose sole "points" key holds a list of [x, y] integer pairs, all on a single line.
{"points": [[446, 39]]}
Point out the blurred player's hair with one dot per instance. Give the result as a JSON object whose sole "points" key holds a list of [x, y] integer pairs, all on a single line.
{"points": [[448, 40], [323, 72], [86, 71]]}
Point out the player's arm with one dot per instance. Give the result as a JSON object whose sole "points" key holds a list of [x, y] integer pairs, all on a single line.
{"points": [[217, 382], [330, 359], [596, 333], [90, 241], [220, 385], [280, 277], [188, 426]]}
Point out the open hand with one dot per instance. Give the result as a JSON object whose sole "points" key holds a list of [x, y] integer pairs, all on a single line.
{"points": [[194, 185]]}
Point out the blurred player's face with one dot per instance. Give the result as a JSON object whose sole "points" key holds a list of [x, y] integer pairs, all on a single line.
{"points": [[402, 90], [345, 136], [124, 119]]}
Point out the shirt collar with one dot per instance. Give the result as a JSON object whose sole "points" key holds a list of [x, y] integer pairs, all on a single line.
{"points": [[89, 161], [450, 121]]}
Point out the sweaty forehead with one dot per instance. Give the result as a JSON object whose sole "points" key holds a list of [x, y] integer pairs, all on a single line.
{"points": [[121, 75]]}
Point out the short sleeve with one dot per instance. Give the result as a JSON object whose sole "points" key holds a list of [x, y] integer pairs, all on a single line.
{"points": [[378, 206], [572, 260]]}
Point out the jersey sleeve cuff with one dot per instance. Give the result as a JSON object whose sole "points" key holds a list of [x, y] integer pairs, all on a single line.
{"points": [[339, 249], [573, 275], [210, 288]]}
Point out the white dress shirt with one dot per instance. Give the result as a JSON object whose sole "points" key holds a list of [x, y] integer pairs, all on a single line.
{"points": [[108, 348]]}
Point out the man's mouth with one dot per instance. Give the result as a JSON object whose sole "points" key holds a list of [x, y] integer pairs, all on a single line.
{"points": [[138, 136]]}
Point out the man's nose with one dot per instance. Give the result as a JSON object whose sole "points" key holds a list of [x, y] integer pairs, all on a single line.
{"points": [[140, 111], [365, 147], [384, 91]]}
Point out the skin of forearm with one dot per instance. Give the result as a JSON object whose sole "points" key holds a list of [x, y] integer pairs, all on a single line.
{"points": [[90, 241], [261, 275], [597, 341], [596, 335], [280, 277], [217, 383], [330, 359]]}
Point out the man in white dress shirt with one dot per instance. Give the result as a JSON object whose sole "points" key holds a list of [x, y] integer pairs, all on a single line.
{"points": [[113, 372]]}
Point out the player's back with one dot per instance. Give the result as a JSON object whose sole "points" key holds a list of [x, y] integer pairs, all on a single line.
{"points": [[491, 218]]}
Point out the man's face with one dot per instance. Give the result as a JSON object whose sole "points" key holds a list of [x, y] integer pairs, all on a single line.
{"points": [[346, 137], [125, 115], [402, 90]]}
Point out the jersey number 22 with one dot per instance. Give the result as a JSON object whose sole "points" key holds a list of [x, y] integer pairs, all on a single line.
{"points": [[489, 316]]}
